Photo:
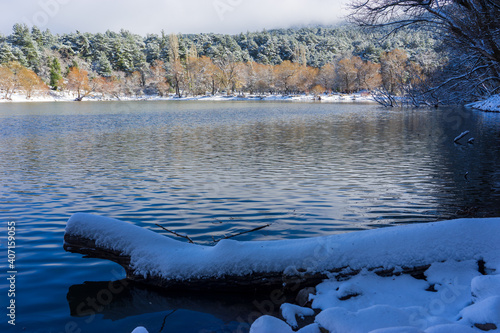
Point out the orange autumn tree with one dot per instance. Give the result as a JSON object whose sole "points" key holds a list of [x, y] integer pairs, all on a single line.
{"points": [[78, 81], [7, 81], [326, 76], [306, 78], [30, 83], [369, 77], [286, 76], [204, 73], [347, 74], [393, 69], [354, 74], [230, 74]]}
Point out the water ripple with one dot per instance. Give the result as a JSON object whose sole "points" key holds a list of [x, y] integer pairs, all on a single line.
{"points": [[209, 169]]}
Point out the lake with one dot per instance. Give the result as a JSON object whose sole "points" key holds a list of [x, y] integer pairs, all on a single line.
{"points": [[210, 169]]}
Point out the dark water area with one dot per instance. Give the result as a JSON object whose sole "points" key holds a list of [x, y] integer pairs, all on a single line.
{"points": [[209, 169]]}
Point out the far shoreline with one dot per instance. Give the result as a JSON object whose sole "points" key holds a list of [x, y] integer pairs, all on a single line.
{"points": [[491, 104], [62, 97]]}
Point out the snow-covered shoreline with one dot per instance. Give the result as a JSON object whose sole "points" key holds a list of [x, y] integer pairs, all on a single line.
{"points": [[491, 104], [67, 97]]}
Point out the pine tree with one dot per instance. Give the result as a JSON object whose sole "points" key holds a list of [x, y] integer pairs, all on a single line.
{"points": [[20, 32], [6, 54], [19, 56], [102, 65], [37, 35], [55, 74], [32, 54]]}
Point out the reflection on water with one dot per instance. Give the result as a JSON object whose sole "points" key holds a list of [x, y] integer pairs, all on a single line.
{"points": [[119, 300], [212, 169]]}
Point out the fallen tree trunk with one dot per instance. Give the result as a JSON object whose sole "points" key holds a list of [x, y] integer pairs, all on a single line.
{"points": [[157, 260], [249, 282]]}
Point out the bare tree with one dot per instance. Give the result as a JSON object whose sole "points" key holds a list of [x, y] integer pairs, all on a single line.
{"points": [[469, 27]]}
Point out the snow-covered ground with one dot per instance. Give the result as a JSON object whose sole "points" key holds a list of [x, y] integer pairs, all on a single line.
{"points": [[67, 97], [454, 297], [459, 292], [490, 104]]}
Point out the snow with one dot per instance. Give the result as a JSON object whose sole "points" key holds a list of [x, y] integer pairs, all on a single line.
{"points": [[140, 329], [450, 328], [490, 104], [312, 328], [482, 312], [397, 301], [451, 296], [269, 324], [485, 286], [339, 319], [461, 297], [68, 97], [290, 311], [406, 329]]}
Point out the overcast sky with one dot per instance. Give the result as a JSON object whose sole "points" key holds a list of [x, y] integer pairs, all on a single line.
{"points": [[173, 16]]}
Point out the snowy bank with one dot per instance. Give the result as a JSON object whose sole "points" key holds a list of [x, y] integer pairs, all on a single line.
{"points": [[491, 104], [452, 296]]}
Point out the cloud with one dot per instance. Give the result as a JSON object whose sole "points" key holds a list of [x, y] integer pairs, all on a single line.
{"points": [[152, 16]]}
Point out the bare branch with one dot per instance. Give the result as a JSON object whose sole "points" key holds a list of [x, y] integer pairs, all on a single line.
{"points": [[176, 234], [241, 233]]}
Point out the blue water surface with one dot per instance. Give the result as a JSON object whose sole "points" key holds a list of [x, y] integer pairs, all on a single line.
{"points": [[210, 169]]}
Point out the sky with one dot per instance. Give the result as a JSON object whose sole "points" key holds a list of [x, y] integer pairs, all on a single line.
{"points": [[172, 16]]}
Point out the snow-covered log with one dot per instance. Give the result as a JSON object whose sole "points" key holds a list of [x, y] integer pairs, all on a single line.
{"points": [[161, 261]]}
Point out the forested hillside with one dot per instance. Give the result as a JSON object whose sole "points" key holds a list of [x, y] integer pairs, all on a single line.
{"points": [[317, 59]]}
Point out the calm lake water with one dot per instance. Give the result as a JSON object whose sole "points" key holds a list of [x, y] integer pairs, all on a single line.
{"points": [[209, 169]]}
